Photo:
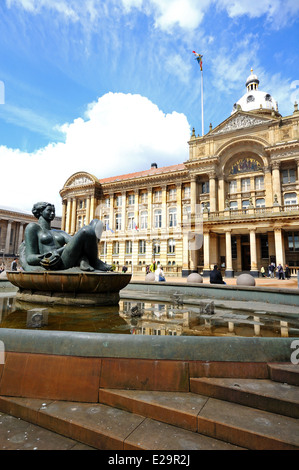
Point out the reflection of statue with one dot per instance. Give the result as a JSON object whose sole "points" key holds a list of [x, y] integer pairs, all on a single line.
{"points": [[48, 249]]}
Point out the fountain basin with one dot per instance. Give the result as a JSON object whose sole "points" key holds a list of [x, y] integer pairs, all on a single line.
{"points": [[68, 287]]}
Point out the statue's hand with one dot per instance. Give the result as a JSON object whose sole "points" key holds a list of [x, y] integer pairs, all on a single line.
{"points": [[50, 259]]}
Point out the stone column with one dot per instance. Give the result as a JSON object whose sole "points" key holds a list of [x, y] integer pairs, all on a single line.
{"points": [[269, 196], [7, 240], [74, 216], [214, 252], [221, 194], [206, 253], [21, 233], [92, 208], [87, 213], [136, 208], [228, 255], [213, 196], [276, 181], [279, 246], [193, 186], [253, 253], [123, 211], [164, 208], [179, 204], [68, 215], [150, 210], [63, 216], [239, 254], [111, 213]]}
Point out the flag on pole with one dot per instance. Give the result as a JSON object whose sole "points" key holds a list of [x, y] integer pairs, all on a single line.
{"points": [[198, 57], [135, 226]]}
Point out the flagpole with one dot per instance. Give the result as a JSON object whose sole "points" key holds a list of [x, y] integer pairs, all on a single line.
{"points": [[202, 121], [198, 57]]}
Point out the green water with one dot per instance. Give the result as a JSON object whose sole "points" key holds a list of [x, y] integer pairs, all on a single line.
{"points": [[145, 318]]}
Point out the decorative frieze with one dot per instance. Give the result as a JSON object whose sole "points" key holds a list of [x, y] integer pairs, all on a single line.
{"points": [[240, 122]]}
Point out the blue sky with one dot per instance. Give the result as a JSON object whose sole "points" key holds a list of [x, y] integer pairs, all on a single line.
{"points": [[110, 86]]}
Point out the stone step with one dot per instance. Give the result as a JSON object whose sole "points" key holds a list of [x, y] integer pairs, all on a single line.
{"points": [[286, 373], [108, 428], [231, 422], [280, 398]]}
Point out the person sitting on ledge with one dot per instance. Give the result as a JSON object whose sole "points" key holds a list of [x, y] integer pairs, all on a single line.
{"points": [[49, 249], [216, 276]]}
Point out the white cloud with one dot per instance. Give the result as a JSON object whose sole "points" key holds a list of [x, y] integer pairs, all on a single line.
{"points": [[167, 14], [119, 134]]}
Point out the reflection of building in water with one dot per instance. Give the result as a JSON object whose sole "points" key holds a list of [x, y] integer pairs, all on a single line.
{"points": [[167, 319], [7, 304], [243, 174], [155, 319]]}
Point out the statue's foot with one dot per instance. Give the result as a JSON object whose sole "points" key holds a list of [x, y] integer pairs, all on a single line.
{"points": [[101, 266], [85, 266]]}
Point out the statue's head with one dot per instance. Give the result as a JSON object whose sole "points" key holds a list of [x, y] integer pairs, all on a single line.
{"points": [[40, 207]]}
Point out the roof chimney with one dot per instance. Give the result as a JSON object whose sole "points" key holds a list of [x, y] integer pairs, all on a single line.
{"points": [[154, 165]]}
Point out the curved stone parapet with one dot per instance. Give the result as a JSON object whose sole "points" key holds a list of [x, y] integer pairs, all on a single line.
{"points": [[62, 281], [69, 288]]}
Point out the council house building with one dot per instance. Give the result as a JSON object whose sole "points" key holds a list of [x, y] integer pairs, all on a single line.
{"points": [[233, 203]]}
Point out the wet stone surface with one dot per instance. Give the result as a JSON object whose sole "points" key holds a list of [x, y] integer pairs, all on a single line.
{"points": [[16, 434]]}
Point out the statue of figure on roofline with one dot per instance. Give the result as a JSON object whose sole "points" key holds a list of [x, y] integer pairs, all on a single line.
{"points": [[46, 249]]}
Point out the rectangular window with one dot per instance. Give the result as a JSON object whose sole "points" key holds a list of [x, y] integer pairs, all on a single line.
{"points": [[172, 194], [143, 220], [187, 192], [128, 247], [115, 248], [205, 187], [118, 222], [131, 199], [293, 241], [259, 183], [288, 176], [233, 186], [106, 222], [130, 220], [142, 247], [158, 196], [118, 201], [158, 219], [172, 217], [143, 198], [233, 205], [245, 184]]}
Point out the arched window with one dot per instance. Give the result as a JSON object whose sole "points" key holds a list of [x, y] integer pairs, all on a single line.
{"points": [[290, 199], [260, 202], [171, 245]]}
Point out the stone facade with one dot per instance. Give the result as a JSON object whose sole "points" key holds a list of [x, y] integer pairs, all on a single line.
{"points": [[234, 202]]}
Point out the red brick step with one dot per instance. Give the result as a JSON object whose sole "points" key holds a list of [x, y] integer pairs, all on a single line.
{"points": [[266, 395]]}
